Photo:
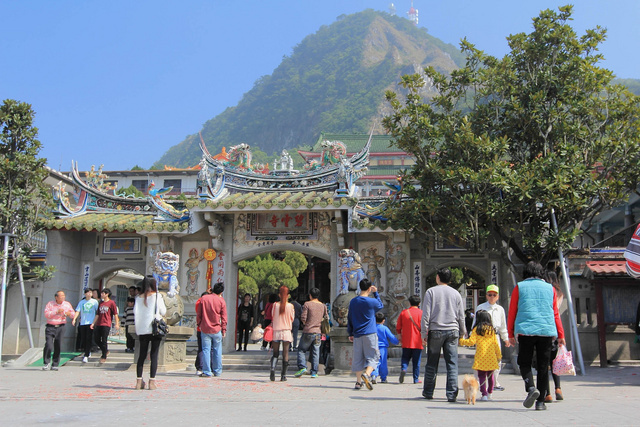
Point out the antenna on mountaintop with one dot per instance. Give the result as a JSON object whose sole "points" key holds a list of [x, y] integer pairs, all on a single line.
{"points": [[413, 14], [392, 9]]}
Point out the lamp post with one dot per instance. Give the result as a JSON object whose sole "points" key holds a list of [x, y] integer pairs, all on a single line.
{"points": [[567, 291], [3, 293]]}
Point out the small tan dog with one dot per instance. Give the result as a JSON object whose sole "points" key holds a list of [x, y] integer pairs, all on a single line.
{"points": [[470, 386]]}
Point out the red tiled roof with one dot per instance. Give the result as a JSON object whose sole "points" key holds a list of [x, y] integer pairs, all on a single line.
{"points": [[605, 268]]}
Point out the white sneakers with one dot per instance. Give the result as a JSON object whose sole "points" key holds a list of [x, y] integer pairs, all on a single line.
{"points": [[85, 359]]}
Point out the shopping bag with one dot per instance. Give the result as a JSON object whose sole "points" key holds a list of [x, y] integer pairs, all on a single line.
{"points": [[563, 363], [268, 333], [257, 333]]}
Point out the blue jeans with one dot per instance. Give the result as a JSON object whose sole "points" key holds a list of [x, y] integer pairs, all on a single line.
{"points": [[448, 342], [413, 354], [295, 327], [311, 343], [212, 354]]}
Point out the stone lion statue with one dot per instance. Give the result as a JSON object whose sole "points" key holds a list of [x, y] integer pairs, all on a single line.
{"points": [[165, 271]]}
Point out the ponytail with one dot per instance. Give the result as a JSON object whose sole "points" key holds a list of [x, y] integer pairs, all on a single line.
{"points": [[284, 296]]}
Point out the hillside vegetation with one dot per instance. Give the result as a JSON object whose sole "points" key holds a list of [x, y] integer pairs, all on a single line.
{"points": [[334, 81]]}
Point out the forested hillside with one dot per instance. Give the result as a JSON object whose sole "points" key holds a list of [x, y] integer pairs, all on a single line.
{"points": [[632, 84], [334, 81]]}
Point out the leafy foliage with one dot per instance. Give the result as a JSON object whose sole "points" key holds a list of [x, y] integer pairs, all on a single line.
{"points": [[24, 196], [334, 81], [507, 141], [130, 191], [632, 84], [459, 277], [265, 274]]}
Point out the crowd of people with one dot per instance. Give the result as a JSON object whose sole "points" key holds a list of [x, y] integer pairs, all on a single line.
{"points": [[96, 317], [440, 324]]}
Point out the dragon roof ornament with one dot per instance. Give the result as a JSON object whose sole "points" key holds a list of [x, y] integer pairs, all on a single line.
{"points": [[94, 196], [236, 173]]}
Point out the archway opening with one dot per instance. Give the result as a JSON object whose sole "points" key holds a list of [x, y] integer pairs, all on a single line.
{"points": [[469, 282], [262, 275], [119, 281]]}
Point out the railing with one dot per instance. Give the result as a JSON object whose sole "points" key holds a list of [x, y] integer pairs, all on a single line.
{"points": [[38, 242], [618, 240]]}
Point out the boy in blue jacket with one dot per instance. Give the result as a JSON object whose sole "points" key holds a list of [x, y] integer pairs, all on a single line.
{"points": [[384, 338]]}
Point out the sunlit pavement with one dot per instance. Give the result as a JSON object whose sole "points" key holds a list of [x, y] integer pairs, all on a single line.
{"points": [[94, 396]]}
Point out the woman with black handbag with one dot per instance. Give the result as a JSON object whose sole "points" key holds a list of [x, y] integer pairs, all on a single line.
{"points": [[149, 306]]}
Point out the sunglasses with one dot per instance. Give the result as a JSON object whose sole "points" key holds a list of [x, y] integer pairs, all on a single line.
{"points": [[491, 295]]}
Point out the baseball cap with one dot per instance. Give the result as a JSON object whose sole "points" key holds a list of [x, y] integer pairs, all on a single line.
{"points": [[493, 288]]}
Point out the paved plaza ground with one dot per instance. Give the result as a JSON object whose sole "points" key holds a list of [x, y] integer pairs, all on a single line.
{"points": [[92, 395]]}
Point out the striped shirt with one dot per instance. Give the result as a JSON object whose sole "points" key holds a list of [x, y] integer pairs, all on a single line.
{"points": [[55, 318], [129, 318]]}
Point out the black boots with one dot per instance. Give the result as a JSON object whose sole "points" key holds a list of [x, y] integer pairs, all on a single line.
{"points": [[272, 372]]}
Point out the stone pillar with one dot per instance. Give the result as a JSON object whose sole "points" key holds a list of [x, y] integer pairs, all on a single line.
{"points": [[629, 221], [342, 348], [599, 233]]}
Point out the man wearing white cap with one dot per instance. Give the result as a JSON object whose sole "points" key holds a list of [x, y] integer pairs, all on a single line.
{"points": [[499, 321]]}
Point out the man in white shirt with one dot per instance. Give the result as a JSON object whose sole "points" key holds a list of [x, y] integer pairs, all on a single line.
{"points": [[499, 321]]}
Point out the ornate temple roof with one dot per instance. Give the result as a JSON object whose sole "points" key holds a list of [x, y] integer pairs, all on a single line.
{"points": [[353, 142], [115, 222], [275, 201], [226, 182]]}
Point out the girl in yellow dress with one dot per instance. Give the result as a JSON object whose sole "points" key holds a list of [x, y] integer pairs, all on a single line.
{"points": [[488, 354]]}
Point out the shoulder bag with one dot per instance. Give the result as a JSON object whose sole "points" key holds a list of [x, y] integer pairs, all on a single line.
{"points": [[159, 327], [325, 326]]}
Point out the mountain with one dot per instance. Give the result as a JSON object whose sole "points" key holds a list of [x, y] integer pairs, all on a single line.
{"points": [[334, 81], [632, 84]]}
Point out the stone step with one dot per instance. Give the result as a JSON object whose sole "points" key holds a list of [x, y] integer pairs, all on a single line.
{"points": [[256, 360]]}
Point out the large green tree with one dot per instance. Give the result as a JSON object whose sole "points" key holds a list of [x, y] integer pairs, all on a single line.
{"points": [[24, 196], [265, 274], [506, 141]]}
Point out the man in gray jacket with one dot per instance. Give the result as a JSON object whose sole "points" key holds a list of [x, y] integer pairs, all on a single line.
{"points": [[442, 326]]}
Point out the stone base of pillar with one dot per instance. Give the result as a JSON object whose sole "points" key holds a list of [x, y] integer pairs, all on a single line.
{"points": [[172, 355], [342, 348]]}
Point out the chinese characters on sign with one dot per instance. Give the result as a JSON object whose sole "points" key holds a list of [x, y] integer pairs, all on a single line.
{"points": [[494, 273], [121, 245], [86, 275], [282, 226], [219, 267], [298, 220], [417, 277]]}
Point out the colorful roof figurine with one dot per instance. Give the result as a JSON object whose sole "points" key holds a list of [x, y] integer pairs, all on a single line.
{"points": [[335, 172], [97, 208], [227, 182]]}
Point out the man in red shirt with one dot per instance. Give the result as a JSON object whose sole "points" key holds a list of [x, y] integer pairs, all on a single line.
{"points": [[408, 327], [56, 313], [107, 310], [211, 318]]}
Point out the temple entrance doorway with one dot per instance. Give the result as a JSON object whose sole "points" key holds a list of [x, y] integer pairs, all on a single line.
{"points": [[262, 275], [468, 281]]}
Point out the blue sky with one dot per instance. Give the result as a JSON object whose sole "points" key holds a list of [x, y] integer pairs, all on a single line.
{"points": [[120, 82]]}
